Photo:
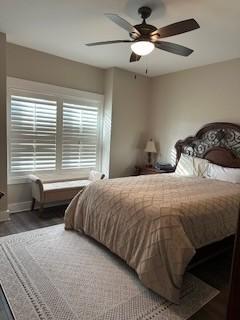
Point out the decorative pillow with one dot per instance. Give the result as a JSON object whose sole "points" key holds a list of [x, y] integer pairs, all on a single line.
{"points": [[191, 166], [223, 174], [202, 165]]}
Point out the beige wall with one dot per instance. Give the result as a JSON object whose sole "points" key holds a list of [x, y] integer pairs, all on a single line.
{"points": [[182, 102], [107, 121], [129, 121], [125, 121], [38, 66], [3, 139]]}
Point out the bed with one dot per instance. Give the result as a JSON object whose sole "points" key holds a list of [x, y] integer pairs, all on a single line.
{"points": [[157, 223]]}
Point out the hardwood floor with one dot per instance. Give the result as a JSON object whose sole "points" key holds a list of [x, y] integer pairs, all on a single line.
{"points": [[215, 272], [26, 221]]}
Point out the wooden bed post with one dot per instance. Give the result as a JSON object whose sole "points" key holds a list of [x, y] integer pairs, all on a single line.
{"points": [[233, 311]]}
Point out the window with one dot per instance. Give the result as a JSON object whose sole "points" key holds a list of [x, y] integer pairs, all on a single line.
{"points": [[53, 130], [32, 135], [79, 142]]}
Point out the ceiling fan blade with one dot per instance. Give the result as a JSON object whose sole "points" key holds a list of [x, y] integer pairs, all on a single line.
{"points": [[173, 48], [134, 57], [106, 42], [122, 23], [177, 28]]}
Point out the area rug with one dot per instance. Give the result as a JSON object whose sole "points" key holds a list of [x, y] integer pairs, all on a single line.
{"points": [[53, 274]]}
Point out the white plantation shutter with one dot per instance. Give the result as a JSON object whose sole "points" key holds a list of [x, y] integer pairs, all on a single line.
{"points": [[32, 138], [80, 133], [52, 130]]}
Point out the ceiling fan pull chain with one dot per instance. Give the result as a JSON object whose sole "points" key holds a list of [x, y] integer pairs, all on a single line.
{"points": [[146, 71]]}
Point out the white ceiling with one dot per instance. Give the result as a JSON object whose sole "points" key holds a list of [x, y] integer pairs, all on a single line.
{"points": [[62, 27]]}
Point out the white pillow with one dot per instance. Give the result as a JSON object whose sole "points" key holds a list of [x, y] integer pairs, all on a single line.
{"points": [[223, 174], [191, 166]]}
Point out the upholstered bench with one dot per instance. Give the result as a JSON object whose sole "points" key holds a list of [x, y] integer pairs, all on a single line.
{"points": [[55, 191]]}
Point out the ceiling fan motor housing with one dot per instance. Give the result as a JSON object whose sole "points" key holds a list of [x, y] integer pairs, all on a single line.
{"points": [[144, 28], [145, 31]]}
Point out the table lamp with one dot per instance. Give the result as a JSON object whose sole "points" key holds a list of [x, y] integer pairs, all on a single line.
{"points": [[150, 148]]}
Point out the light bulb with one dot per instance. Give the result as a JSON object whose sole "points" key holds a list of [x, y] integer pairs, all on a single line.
{"points": [[142, 48]]}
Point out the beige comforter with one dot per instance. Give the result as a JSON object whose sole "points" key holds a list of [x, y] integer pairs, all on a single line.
{"points": [[156, 222]]}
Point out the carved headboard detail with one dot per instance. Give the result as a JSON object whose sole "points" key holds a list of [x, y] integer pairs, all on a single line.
{"points": [[217, 142]]}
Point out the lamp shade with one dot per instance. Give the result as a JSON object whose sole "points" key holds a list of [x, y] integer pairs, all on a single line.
{"points": [[150, 147]]}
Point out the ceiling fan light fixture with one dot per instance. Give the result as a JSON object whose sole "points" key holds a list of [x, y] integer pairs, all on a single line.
{"points": [[142, 48]]}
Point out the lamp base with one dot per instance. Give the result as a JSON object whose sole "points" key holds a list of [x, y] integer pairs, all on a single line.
{"points": [[149, 165]]}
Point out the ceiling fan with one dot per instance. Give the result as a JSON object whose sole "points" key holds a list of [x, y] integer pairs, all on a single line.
{"points": [[146, 37]]}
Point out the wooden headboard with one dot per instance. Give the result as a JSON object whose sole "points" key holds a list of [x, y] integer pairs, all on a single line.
{"points": [[217, 142]]}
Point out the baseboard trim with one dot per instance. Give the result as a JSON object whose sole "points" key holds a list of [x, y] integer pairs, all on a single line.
{"points": [[4, 216], [19, 207], [26, 206]]}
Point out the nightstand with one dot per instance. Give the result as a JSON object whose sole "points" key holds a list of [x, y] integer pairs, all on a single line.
{"points": [[151, 170]]}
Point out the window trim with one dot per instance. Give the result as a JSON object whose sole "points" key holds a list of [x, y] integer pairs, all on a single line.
{"points": [[17, 86]]}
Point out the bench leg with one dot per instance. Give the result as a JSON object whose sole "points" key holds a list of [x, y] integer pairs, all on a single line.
{"points": [[33, 204], [41, 207]]}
